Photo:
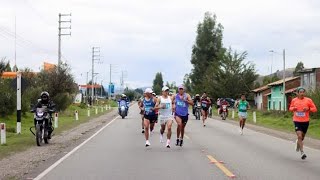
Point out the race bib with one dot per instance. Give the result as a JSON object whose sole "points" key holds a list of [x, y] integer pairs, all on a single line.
{"points": [[204, 105], [147, 110], [243, 108], [180, 103], [300, 114]]}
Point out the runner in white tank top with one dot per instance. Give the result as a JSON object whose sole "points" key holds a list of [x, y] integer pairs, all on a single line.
{"points": [[165, 106]]}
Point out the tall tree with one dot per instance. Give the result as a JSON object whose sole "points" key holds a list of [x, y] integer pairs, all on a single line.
{"points": [[206, 53], [158, 83], [187, 83], [299, 67], [235, 75], [2, 66]]}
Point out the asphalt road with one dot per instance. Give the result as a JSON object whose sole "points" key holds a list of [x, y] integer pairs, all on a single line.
{"points": [[217, 152]]}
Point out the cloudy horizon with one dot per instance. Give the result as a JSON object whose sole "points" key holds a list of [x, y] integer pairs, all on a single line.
{"points": [[143, 37]]}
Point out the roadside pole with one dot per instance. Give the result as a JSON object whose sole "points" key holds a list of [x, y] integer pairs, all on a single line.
{"points": [[3, 133], [18, 102]]}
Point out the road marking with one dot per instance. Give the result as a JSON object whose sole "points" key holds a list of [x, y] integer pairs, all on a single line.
{"points": [[44, 173], [221, 166]]}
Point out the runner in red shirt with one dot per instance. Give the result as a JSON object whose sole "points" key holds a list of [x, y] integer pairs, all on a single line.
{"points": [[301, 106]]}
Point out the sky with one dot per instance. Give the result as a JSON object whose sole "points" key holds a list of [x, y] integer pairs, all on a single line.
{"points": [[142, 37]]}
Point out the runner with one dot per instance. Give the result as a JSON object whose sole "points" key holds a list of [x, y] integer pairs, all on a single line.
{"points": [[182, 101], [301, 106], [154, 95], [205, 103], [149, 113], [165, 106], [243, 106], [140, 104]]}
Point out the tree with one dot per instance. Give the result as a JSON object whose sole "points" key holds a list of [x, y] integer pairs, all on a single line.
{"points": [[268, 79], [257, 85], [157, 83], [298, 68], [59, 82], [139, 91], [187, 83], [172, 85], [207, 53], [2, 66], [235, 76]]}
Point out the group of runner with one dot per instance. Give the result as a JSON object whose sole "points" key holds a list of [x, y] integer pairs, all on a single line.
{"points": [[170, 108], [176, 107]]}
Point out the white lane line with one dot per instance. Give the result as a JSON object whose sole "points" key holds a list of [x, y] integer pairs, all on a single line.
{"points": [[44, 173]]}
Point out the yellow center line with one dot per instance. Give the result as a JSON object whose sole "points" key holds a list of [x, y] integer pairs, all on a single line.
{"points": [[221, 166]]}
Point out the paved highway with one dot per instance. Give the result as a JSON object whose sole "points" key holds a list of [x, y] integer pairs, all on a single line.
{"points": [[217, 152]]}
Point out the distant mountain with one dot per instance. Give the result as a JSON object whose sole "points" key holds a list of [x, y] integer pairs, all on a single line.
{"points": [[279, 74]]}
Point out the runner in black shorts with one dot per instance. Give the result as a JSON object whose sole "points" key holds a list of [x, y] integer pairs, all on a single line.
{"points": [[149, 113], [301, 106], [205, 103]]}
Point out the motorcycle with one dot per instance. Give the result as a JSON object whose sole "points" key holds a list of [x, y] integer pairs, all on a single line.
{"points": [[123, 109], [224, 112], [198, 111], [42, 119]]}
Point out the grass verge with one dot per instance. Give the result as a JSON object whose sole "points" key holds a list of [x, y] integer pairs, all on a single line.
{"points": [[21, 142], [281, 121]]}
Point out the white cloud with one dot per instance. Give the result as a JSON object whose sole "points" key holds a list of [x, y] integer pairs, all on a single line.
{"points": [[149, 36]]}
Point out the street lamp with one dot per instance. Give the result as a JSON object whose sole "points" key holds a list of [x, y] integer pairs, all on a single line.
{"points": [[284, 76]]}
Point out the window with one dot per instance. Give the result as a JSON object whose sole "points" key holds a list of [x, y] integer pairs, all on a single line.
{"points": [[280, 107], [312, 79], [305, 79], [280, 88]]}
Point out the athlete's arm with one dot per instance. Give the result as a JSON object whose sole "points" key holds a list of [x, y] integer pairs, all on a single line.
{"points": [[292, 107], [189, 100], [173, 104], [157, 106], [312, 106], [248, 107]]}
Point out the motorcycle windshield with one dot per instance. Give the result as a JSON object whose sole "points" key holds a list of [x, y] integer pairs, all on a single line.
{"points": [[123, 103]]}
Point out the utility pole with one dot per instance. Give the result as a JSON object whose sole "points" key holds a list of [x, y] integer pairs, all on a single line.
{"points": [[109, 92], [61, 34], [95, 57], [15, 44], [284, 81]]}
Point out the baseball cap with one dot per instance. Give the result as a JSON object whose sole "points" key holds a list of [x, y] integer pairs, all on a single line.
{"points": [[148, 90], [181, 87], [165, 88]]}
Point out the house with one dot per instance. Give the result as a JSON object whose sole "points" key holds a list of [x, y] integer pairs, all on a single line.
{"points": [[276, 101], [310, 78], [259, 97]]}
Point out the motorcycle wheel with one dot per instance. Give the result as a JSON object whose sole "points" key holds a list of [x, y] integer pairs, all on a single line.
{"points": [[45, 136], [38, 135]]}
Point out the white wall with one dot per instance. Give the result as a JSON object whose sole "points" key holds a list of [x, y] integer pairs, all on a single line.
{"points": [[258, 100]]}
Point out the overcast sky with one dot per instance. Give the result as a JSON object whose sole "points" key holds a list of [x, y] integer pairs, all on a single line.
{"points": [[142, 37]]}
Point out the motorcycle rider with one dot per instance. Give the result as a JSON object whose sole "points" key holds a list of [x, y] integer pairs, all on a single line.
{"points": [[223, 102], [47, 103], [123, 98], [195, 101]]}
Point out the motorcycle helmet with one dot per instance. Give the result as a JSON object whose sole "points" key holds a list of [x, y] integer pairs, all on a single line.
{"points": [[44, 96]]}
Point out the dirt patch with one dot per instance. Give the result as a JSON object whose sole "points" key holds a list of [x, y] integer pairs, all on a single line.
{"points": [[28, 164]]}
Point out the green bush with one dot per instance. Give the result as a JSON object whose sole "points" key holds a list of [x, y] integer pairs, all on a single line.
{"points": [[7, 98], [62, 101]]}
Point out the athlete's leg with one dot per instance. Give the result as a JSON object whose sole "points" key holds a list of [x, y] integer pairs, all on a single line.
{"points": [[146, 128], [179, 126], [169, 126]]}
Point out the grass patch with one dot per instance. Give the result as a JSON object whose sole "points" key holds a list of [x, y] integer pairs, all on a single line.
{"points": [[25, 140], [281, 121]]}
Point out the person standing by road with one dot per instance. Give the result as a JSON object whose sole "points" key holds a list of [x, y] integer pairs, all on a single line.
{"points": [[182, 101], [301, 106]]}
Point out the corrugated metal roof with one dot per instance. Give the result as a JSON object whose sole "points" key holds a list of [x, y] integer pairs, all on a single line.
{"points": [[281, 81], [261, 89]]}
